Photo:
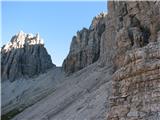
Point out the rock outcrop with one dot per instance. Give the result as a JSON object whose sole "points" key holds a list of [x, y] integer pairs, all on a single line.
{"points": [[24, 56], [85, 47], [136, 60], [124, 47]]}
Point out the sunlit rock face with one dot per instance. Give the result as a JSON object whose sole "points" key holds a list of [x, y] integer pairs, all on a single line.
{"points": [[24, 56], [135, 59], [130, 44], [85, 46], [124, 82]]}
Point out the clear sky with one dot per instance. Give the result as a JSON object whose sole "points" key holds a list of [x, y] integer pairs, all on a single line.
{"points": [[56, 22]]}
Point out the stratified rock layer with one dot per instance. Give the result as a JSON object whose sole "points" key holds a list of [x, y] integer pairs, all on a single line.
{"points": [[24, 56], [85, 47], [126, 44], [136, 60]]}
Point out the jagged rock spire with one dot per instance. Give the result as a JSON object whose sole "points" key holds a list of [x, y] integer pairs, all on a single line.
{"points": [[25, 55], [85, 46]]}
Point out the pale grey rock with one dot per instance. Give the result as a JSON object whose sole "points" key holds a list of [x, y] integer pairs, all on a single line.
{"points": [[22, 93], [123, 82], [84, 95], [24, 56]]}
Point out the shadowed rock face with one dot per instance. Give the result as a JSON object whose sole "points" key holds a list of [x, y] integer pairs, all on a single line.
{"points": [[85, 47], [136, 59], [24, 56]]}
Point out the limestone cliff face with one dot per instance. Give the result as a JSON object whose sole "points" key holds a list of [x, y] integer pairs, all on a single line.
{"points": [[133, 30], [24, 56], [126, 45], [85, 47], [129, 44]]}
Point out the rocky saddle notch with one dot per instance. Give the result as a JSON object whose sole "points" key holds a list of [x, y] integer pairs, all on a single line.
{"points": [[24, 56]]}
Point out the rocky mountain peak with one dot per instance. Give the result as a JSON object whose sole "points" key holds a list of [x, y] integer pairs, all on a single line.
{"points": [[24, 56], [96, 20], [22, 39], [124, 83], [85, 46]]}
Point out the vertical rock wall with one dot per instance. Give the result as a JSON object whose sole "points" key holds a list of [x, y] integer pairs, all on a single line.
{"points": [[85, 47], [136, 60]]}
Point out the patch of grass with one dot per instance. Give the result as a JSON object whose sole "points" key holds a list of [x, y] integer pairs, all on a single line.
{"points": [[10, 114], [14, 112]]}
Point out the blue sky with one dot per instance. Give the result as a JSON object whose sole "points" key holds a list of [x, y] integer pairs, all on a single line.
{"points": [[56, 22]]}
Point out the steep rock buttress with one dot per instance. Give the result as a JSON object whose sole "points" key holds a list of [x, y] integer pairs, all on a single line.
{"points": [[24, 56], [85, 47], [136, 60]]}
